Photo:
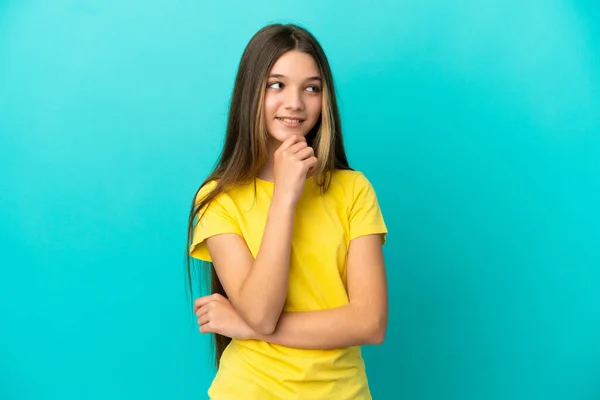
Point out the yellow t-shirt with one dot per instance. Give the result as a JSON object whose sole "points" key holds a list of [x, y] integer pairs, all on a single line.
{"points": [[324, 225]]}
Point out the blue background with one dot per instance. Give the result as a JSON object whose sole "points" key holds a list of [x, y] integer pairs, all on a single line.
{"points": [[478, 123]]}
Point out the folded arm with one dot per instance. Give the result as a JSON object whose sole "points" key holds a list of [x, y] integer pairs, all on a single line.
{"points": [[362, 321], [257, 288]]}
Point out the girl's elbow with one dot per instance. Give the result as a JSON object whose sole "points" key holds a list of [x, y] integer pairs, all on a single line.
{"points": [[378, 337], [264, 328], [377, 332], [261, 320], [263, 324]]}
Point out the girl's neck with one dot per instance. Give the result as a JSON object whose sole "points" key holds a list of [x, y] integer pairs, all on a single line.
{"points": [[267, 172]]}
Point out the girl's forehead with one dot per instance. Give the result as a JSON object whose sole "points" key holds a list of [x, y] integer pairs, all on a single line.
{"points": [[295, 64]]}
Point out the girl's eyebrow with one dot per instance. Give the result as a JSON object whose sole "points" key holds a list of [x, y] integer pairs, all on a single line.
{"points": [[312, 78]]}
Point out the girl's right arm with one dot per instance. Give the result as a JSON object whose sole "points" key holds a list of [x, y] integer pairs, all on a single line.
{"points": [[360, 322], [257, 288]]}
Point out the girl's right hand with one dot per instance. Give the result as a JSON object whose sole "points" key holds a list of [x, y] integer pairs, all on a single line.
{"points": [[294, 160]]}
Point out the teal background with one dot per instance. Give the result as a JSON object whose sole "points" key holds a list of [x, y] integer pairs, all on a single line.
{"points": [[478, 123]]}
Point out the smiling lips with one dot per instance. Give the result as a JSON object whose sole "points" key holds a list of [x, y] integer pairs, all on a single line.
{"points": [[290, 122]]}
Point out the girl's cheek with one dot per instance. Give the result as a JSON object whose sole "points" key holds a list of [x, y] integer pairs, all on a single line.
{"points": [[315, 106], [272, 101]]}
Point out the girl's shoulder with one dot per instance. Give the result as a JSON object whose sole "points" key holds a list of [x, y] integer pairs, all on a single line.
{"points": [[206, 188], [229, 196], [352, 187], [350, 179]]}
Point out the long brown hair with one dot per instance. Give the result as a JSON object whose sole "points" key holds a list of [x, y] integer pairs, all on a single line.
{"points": [[245, 148]]}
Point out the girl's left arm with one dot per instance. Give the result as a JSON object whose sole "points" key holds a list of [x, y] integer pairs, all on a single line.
{"points": [[362, 321]]}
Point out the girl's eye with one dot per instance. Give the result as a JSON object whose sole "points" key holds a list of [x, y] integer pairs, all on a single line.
{"points": [[273, 85], [314, 89]]}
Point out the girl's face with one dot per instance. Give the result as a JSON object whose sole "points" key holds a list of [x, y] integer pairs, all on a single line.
{"points": [[293, 96]]}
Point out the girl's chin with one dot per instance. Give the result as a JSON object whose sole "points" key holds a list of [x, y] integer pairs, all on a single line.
{"points": [[280, 136]]}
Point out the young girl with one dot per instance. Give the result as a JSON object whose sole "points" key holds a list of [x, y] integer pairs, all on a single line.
{"points": [[293, 235]]}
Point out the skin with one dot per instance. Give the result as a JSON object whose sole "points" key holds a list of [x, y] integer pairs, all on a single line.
{"points": [[293, 90], [257, 287]]}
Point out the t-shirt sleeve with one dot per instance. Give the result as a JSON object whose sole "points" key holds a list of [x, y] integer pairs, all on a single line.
{"points": [[216, 219], [365, 215]]}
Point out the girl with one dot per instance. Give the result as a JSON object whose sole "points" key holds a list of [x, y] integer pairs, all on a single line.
{"points": [[293, 234]]}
